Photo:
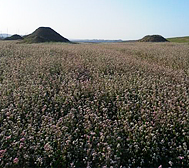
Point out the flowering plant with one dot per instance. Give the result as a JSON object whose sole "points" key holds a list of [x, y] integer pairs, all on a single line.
{"points": [[86, 105]]}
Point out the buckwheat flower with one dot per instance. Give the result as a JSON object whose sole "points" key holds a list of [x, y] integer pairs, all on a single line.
{"points": [[92, 133], [170, 163], [181, 157], [108, 148], [118, 145], [23, 133], [47, 147], [22, 139], [16, 160], [8, 114], [72, 164], [2, 152], [21, 145], [44, 108], [8, 137], [119, 138], [40, 160]]}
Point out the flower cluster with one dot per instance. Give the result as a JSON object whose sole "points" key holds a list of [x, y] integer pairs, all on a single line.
{"points": [[94, 105]]}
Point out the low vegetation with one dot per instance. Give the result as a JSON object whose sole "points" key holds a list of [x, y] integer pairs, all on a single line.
{"points": [[95, 105], [179, 39]]}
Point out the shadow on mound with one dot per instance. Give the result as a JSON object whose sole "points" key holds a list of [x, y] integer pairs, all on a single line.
{"points": [[44, 34], [14, 37], [153, 38]]}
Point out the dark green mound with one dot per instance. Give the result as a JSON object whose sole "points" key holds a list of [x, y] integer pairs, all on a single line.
{"points": [[44, 34], [14, 37], [153, 38]]}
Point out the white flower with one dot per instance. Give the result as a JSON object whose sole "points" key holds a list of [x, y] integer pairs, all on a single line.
{"points": [[170, 163]]}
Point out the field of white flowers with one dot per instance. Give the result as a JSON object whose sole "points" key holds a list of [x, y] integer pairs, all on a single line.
{"points": [[94, 105]]}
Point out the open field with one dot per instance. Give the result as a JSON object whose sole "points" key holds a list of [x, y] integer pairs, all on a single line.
{"points": [[179, 39], [66, 105]]}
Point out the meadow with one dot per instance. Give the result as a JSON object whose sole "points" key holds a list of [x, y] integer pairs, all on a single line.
{"points": [[179, 39], [94, 105]]}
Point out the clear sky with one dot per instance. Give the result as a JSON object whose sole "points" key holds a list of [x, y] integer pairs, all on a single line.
{"points": [[97, 19]]}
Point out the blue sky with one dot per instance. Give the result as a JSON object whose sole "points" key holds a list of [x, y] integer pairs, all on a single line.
{"points": [[97, 19]]}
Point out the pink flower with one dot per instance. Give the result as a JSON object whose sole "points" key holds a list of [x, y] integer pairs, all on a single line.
{"points": [[160, 166], [21, 145], [2, 152], [23, 133], [170, 163], [181, 157], [8, 113], [22, 139], [15, 160], [43, 109], [92, 133], [47, 147], [8, 137]]}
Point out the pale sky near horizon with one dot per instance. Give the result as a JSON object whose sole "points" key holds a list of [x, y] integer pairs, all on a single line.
{"points": [[97, 19]]}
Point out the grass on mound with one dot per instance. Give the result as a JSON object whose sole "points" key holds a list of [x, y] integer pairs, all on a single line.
{"points": [[179, 39]]}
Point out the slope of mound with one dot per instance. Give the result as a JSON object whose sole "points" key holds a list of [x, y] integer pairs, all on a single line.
{"points": [[44, 34], [14, 37], [179, 39], [153, 38]]}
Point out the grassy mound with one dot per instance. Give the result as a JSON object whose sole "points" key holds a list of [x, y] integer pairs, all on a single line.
{"points": [[14, 37], [44, 34], [179, 39], [153, 38]]}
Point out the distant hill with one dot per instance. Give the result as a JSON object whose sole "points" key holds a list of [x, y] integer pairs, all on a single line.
{"points": [[129, 41], [3, 35], [95, 41], [14, 37], [179, 39], [44, 34], [153, 38]]}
